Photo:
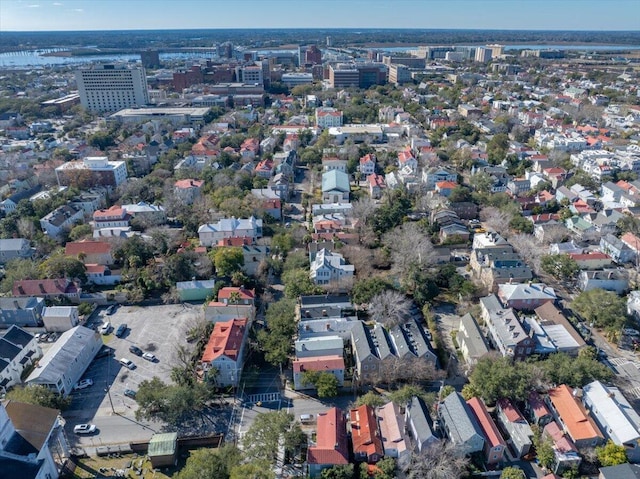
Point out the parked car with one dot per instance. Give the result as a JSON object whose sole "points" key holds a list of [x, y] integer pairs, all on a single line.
{"points": [[631, 332], [52, 337], [104, 352], [112, 309], [105, 328], [121, 329], [84, 428], [85, 383], [135, 350], [43, 337], [127, 363], [149, 357], [130, 393]]}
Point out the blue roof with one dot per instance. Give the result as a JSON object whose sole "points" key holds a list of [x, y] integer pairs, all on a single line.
{"points": [[335, 180]]}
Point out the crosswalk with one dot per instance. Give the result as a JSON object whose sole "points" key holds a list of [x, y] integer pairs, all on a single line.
{"points": [[619, 361], [634, 393]]}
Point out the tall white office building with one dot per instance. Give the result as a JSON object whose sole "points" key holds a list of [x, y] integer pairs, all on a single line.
{"points": [[112, 87]]}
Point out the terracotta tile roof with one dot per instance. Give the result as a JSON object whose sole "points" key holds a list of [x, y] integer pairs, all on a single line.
{"points": [[376, 180], [331, 439], [489, 428], [367, 158], [225, 293], [364, 431], [318, 363], [226, 339], [576, 420], [108, 213], [87, 247]]}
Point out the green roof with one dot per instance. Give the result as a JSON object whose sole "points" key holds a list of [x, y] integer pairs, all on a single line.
{"points": [[163, 444], [335, 180]]}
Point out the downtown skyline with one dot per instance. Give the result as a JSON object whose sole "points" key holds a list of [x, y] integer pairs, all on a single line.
{"points": [[78, 15]]}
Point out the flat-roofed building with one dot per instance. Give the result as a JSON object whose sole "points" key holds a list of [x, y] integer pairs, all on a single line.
{"points": [[183, 116], [92, 171], [108, 87]]}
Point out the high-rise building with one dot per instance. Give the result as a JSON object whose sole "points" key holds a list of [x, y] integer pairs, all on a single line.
{"points": [[343, 76], [483, 54], [250, 74], [312, 55], [496, 50], [150, 58], [399, 74], [329, 41], [112, 87]]}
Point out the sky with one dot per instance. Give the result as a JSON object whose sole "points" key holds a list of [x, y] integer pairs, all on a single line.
{"points": [[45, 15]]}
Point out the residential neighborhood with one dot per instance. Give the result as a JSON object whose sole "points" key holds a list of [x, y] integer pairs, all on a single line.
{"points": [[328, 260]]}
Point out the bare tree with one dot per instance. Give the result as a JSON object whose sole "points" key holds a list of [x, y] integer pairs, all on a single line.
{"points": [[410, 248], [389, 308], [496, 219], [528, 249], [438, 461], [407, 369], [363, 211]]}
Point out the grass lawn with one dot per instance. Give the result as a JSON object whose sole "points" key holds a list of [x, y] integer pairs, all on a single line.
{"points": [[89, 468]]}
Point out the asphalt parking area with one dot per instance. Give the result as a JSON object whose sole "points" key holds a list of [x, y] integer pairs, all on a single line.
{"points": [[158, 330]]}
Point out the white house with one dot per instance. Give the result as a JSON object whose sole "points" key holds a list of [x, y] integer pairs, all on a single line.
{"points": [[67, 360], [330, 267], [211, 233], [60, 318], [225, 351], [61, 219], [18, 350]]}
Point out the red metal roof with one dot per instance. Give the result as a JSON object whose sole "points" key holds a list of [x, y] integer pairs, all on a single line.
{"points": [[487, 424], [225, 293], [40, 287], [364, 431], [87, 247], [509, 410], [226, 339], [189, 183], [318, 363]]}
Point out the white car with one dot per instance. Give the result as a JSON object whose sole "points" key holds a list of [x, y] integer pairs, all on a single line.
{"points": [[84, 429], [85, 383], [149, 357], [105, 328], [127, 363]]}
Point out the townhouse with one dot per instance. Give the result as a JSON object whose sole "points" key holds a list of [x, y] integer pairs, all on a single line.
{"points": [[225, 352], [573, 417], [494, 444], [506, 333], [460, 425], [332, 443]]}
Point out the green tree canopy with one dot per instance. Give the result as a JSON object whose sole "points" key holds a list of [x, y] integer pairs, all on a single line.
{"points": [[605, 309], [228, 260], [253, 470], [297, 282], [338, 472], [371, 399], [560, 266], [277, 340], [325, 383], [39, 396], [218, 463], [261, 440], [561, 368], [512, 473], [366, 288], [498, 377], [611, 454]]}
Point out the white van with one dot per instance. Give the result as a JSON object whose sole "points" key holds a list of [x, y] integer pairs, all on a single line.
{"points": [[105, 328], [306, 418]]}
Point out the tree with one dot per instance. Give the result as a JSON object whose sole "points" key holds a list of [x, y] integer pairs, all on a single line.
{"points": [[17, 270], [252, 470], [261, 440], [498, 377], [406, 393], [605, 309], [228, 260], [495, 219], [39, 396], [79, 232], [459, 194], [497, 147], [410, 249], [611, 454], [438, 461], [326, 383], [297, 282], [282, 243], [520, 224], [545, 453], [61, 266], [577, 372], [216, 463], [101, 140], [560, 266], [389, 308], [512, 473], [366, 288], [370, 399], [276, 341], [338, 472]]}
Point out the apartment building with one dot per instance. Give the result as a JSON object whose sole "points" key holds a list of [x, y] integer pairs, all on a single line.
{"points": [[92, 171], [112, 87]]}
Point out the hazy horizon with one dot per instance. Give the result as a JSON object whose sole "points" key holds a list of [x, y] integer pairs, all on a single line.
{"points": [[142, 15]]}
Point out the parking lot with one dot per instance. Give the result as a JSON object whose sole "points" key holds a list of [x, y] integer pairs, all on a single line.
{"points": [[153, 329]]}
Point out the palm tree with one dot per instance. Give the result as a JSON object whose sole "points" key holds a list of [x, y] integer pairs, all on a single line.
{"points": [[234, 298]]}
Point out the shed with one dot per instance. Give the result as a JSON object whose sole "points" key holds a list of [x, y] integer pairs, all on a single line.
{"points": [[163, 449]]}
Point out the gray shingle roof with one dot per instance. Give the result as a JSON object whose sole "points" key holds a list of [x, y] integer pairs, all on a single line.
{"points": [[461, 424]]}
